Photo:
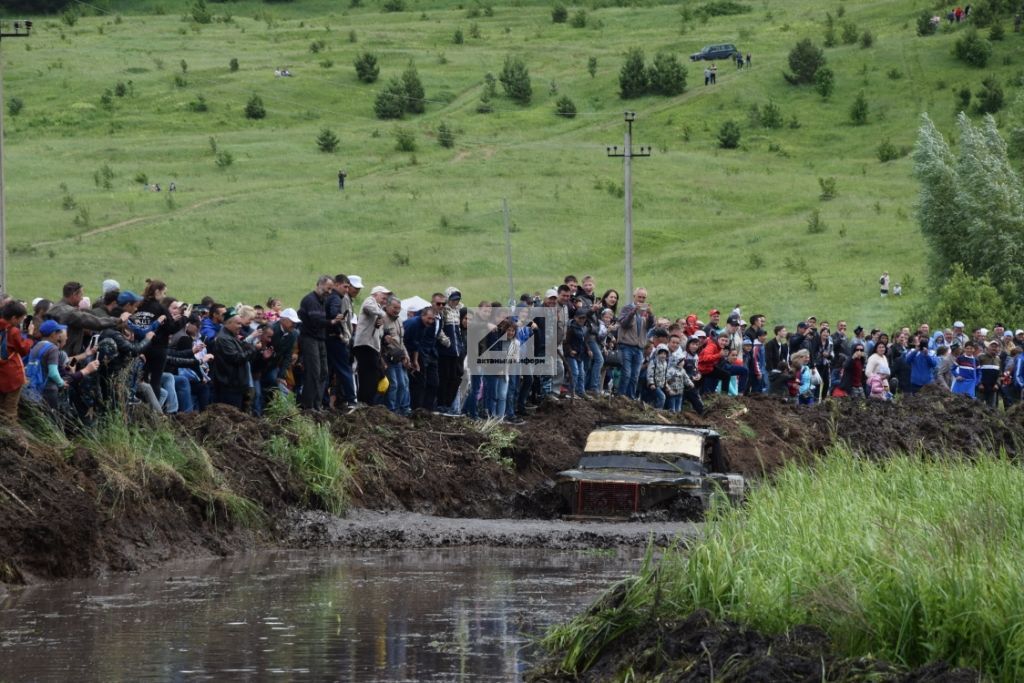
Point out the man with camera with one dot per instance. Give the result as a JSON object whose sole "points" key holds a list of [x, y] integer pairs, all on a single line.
{"points": [[635, 321], [922, 364]]}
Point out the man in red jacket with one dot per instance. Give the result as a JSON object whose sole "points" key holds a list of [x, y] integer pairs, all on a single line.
{"points": [[12, 348]]}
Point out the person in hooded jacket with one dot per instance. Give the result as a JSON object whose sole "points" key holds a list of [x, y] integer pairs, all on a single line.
{"points": [[13, 347], [922, 366]]}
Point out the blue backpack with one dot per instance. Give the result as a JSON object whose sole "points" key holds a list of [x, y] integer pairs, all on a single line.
{"points": [[35, 371]]}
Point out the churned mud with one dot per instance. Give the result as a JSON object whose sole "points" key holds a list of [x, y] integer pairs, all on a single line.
{"points": [[63, 515]]}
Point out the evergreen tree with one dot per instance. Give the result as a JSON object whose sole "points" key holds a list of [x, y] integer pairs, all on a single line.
{"points": [[367, 69], [515, 79], [327, 141], [667, 76], [633, 77], [254, 108], [415, 102], [804, 61], [390, 102]]}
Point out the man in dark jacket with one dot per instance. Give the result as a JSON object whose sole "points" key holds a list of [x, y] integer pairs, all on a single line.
{"points": [[66, 312], [339, 340], [420, 341], [313, 343], [231, 363]]}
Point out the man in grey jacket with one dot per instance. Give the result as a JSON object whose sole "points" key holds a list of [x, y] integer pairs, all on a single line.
{"points": [[367, 344], [635, 321]]}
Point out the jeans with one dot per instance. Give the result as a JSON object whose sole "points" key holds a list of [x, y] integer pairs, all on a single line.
{"points": [[512, 395], [339, 360], [183, 390], [632, 359], [398, 397], [655, 397], [497, 400], [596, 365], [674, 404], [168, 393], [579, 375], [474, 401]]}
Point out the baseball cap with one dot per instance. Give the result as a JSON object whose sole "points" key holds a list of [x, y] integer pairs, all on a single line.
{"points": [[802, 325], [732, 321], [380, 289], [551, 293], [700, 333], [128, 297], [661, 347], [983, 331], [714, 311], [355, 281], [110, 286], [1018, 332], [958, 323], [290, 314], [1007, 333], [51, 326], [581, 312], [747, 341]]}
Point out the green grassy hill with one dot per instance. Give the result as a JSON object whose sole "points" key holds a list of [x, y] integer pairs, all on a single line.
{"points": [[713, 226]]}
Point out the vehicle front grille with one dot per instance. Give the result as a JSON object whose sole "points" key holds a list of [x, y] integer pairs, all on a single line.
{"points": [[604, 498]]}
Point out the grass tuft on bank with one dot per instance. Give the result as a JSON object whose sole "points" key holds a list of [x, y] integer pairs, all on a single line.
{"points": [[911, 560]]}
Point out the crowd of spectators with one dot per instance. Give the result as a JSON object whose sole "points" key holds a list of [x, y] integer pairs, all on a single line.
{"points": [[340, 349]]}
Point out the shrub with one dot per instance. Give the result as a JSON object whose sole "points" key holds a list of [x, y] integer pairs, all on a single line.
{"points": [[390, 101], [15, 105], [592, 66], [828, 188], [989, 99], [559, 14], [565, 107], [316, 46], [141, 178], [184, 67], [867, 39], [849, 35], [200, 13], [633, 77], [445, 136], [367, 69], [666, 75], [515, 79], [859, 110], [198, 105], [804, 61], [326, 63], [405, 140], [729, 135], [233, 64], [996, 32], [490, 85], [69, 16], [579, 19], [457, 37], [254, 108], [816, 226], [120, 89], [484, 106], [889, 152], [327, 141], [824, 82], [179, 81], [972, 49], [415, 97], [770, 115], [107, 99], [894, 74], [474, 30], [393, 6], [925, 27], [223, 159], [723, 8], [963, 97]]}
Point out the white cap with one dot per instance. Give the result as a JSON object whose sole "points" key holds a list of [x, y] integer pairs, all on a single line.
{"points": [[661, 347], [110, 286], [1014, 334], [355, 281], [550, 293], [959, 324], [983, 332], [700, 333], [290, 314], [35, 302], [380, 289]]}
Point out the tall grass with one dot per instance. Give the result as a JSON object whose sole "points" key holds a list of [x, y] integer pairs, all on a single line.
{"points": [[907, 560], [129, 454], [312, 452]]}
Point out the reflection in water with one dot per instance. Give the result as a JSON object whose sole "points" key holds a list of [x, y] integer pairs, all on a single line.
{"points": [[446, 615]]}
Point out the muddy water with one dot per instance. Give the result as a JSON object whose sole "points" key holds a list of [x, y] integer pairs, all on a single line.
{"points": [[444, 615]]}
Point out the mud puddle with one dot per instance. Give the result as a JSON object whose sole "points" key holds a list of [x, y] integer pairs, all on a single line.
{"points": [[407, 615]]}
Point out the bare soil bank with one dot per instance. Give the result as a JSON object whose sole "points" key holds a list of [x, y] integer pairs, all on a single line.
{"points": [[60, 515]]}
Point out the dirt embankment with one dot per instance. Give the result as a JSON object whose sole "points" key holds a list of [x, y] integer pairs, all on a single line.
{"points": [[63, 515]]}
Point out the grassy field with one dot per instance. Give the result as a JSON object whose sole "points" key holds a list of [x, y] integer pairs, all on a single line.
{"points": [[713, 227], [908, 561]]}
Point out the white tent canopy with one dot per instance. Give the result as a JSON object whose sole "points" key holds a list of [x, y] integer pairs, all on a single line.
{"points": [[414, 304]]}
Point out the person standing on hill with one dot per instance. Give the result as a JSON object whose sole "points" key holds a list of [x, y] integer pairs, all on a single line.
{"points": [[707, 75], [636, 321], [338, 307], [341, 179], [369, 331], [152, 310], [714, 74], [13, 347], [884, 284], [231, 358], [312, 343]]}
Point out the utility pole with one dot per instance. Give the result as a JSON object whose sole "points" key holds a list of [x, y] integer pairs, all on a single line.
{"points": [[21, 29], [508, 254], [627, 155]]}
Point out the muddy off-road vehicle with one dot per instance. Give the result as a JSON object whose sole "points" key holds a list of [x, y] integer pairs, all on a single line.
{"points": [[628, 469]]}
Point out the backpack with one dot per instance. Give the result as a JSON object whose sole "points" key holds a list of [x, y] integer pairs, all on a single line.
{"points": [[35, 371], [4, 353]]}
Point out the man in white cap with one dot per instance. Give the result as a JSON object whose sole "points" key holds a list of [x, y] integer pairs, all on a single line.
{"points": [[958, 333], [283, 342], [366, 346], [110, 286]]}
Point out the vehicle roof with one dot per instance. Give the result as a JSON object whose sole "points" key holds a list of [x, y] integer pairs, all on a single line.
{"points": [[648, 439]]}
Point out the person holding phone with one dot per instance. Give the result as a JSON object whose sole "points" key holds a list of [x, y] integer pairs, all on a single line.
{"points": [[635, 321]]}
